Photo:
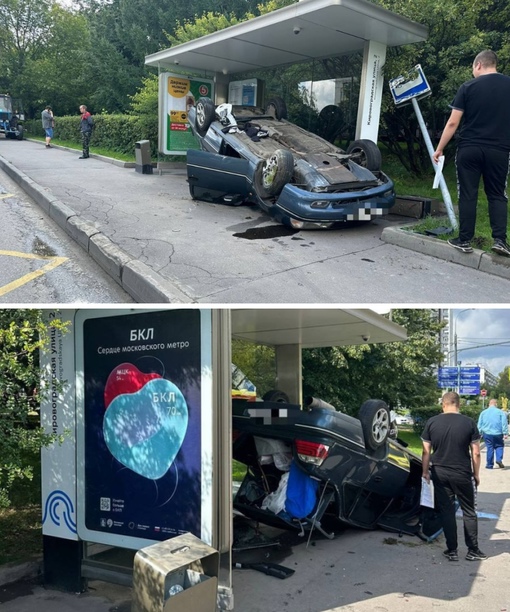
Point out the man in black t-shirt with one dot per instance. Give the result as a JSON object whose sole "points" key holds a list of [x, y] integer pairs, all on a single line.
{"points": [[455, 469], [483, 149]]}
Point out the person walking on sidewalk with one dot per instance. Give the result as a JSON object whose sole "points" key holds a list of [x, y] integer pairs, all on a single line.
{"points": [[493, 425], [48, 123], [482, 151], [86, 126], [451, 449]]}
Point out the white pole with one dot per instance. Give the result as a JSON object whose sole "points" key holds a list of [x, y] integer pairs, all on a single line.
{"points": [[442, 183]]}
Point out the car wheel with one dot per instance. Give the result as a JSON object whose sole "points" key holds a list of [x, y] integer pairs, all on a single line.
{"points": [[374, 416], [274, 173], [20, 133], [277, 108], [276, 396], [205, 113], [366, 153]]}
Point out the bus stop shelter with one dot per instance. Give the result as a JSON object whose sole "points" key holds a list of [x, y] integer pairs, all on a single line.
{"points": [[305, 31], [119, 481]]}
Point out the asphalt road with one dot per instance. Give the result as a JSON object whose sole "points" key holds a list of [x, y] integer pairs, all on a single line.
{"points": [[40, 264]]}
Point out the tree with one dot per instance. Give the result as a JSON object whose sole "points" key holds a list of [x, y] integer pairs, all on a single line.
{"points": [[458, 30], [400, 373], [22, 335], [503, 386]]}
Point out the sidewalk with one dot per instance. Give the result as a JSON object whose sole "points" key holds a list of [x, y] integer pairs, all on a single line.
{"points": [[358, 571], [161, 246]]}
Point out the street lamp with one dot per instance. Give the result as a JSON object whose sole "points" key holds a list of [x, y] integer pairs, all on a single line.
{"points": [[454, 329]]}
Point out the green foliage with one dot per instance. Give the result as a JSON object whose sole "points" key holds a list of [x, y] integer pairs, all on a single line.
{"points": [[22, 336], [257, 362], [400, 373], [200, 26], [503, 387], [144, 105], [458, 30], [113, 132]]}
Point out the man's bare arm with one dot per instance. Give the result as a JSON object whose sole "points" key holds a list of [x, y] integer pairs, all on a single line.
{"points": [[448, 132], [425, 459], [475, 460]]}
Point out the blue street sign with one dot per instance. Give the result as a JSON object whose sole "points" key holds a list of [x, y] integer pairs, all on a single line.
{"points": [[412, 84], [467, 389], [467, 379]]}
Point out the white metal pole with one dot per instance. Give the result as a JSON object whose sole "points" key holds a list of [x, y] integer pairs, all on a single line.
{"points": [[442, 183]]}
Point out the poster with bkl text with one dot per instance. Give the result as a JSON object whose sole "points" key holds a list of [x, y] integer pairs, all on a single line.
{"points": [[143, 407]]}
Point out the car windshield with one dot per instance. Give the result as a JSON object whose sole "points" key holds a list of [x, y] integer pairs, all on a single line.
{"points": [[5, 104]]}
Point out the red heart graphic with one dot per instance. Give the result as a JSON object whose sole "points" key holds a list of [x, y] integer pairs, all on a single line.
{"points": [[124, 379]]}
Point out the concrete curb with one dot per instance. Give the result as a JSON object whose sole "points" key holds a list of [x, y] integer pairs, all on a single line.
{"points": [[496, 265], [142, 283], [12, 572]]}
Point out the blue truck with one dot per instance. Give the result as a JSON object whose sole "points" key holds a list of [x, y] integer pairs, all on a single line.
{"points": [[11, 117]]}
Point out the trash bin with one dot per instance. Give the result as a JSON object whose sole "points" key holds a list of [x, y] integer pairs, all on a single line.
{"points": [[176, 575], [143, 157]]}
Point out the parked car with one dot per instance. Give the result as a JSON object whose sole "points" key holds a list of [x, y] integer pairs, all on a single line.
{"points": [[249, 155], [403, 420], [347, 468]]}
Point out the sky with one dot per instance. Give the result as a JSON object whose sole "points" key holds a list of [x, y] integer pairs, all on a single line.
{"points": [[477, 328]]}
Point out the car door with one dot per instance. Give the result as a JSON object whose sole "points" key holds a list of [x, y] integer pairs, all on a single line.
{"points": [[212, 176]]}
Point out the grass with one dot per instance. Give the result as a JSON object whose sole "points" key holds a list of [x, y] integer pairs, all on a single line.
{"points": [[413, 439], [405, 184], [97, 150], [20, 533]]}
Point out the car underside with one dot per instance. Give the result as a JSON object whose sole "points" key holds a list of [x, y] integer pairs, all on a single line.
{"points": [[294, 175], [348, 468]]}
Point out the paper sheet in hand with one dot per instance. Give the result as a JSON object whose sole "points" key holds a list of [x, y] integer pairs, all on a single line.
{"points": [[439, 171], [427, 493]]}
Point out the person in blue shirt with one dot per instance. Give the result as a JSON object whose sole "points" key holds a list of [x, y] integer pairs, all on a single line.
{"points": [[493, 425]]}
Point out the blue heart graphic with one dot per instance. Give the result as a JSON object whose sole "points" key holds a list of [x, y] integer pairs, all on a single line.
{"points": [[145, 430]]}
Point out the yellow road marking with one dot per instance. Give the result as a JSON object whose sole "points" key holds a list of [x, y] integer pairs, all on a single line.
{"points": [[53, 263], [6, 195], [28, 255]]}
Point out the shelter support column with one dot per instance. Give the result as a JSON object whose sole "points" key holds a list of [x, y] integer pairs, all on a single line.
{"points": [[288, 371], [370, 94]]}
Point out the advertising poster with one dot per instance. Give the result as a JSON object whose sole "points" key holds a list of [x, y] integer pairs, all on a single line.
{"points": [[145, 400], [177, 94]]}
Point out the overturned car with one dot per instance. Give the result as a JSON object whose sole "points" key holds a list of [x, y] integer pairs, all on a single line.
{"points": [[249, 155], [306, 465]]}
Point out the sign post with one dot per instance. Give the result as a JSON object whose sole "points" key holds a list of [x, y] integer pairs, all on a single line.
{"points": [[410, 87]]}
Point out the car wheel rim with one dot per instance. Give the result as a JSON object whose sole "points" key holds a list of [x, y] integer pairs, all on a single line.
{"points": [[380, 425], [200, 114], [269, 171], [360, 154]]}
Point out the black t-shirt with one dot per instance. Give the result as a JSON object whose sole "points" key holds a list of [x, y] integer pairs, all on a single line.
{"points": [[451, 435], [485, 102]]}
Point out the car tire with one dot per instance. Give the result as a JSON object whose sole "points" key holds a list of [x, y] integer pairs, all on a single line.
{"points": [[274, 173], [205, 114], [20, 135], [366, 154], [277, 108], [276, 396], [374, 416]]}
